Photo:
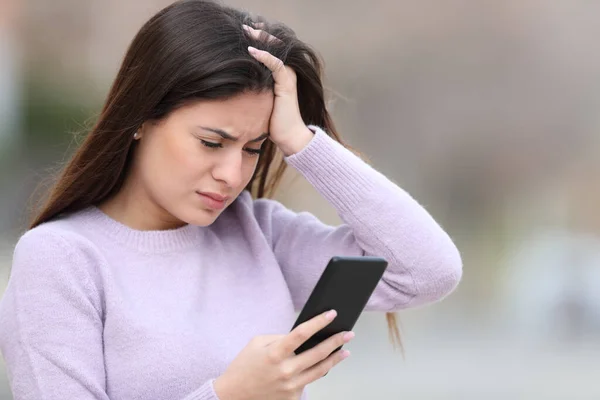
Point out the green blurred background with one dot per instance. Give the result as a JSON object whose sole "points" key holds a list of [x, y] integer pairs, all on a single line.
{"points": [[486, 111]]}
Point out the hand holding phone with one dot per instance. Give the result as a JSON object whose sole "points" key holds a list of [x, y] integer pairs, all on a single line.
{"points": [[267, 367], [280, 366]]}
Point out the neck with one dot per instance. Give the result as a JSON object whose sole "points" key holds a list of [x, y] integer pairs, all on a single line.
{"points": [[133, 207]]}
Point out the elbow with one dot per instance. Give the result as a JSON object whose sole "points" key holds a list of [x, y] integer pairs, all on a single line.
{"points": [[451, 266], [438, 274], [450, 275]]}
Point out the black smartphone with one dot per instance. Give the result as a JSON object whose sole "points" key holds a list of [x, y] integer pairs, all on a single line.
{"points": [[345, 286]]}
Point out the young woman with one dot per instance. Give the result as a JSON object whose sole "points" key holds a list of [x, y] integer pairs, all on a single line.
{"points": [[151, 272]]}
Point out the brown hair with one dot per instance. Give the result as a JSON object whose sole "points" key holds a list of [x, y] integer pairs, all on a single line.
{"points": [[190, 50]]}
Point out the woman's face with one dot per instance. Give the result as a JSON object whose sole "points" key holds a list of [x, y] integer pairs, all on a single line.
{"points": [[191, 165]]}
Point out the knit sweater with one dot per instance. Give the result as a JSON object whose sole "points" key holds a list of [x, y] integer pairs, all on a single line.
{"points": [[97, 310]]}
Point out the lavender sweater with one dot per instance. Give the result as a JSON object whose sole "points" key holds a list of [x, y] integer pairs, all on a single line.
{"points": [[96, 310]]}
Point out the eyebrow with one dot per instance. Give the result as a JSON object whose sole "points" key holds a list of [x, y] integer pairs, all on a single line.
{"points": [[228, 136]]}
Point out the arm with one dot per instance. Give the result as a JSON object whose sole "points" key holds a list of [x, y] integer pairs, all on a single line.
{"points": [[379, 219], [51, 324]]}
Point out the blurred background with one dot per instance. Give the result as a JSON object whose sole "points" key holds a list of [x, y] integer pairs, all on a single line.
{"points": [[486, 111]]}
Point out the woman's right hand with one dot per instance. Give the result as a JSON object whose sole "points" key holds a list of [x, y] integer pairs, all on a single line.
{"points": [[268, 368]]}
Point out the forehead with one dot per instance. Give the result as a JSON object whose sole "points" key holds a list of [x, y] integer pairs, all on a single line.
{"points": [[243, 115]]}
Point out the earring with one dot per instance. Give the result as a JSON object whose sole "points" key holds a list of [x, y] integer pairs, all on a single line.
{"points": [[136, 135]]}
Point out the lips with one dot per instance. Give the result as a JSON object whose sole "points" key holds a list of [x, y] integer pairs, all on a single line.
{"points": [[215, 196], [214, 201]]}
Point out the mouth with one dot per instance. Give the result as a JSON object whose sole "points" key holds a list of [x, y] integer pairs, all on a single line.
{"points": [[214, 201]]}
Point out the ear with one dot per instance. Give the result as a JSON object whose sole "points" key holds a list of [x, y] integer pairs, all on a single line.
{"points": [[144, 129], [147, 127]]}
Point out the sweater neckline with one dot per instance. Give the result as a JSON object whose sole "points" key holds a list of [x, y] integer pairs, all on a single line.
{"points": [[148, 241]]}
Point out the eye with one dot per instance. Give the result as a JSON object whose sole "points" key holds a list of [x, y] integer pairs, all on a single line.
{"points": [[253, 152], [211, 145]]}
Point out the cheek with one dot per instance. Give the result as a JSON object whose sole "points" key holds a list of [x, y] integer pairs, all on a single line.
{"points": [[172, 165], [248, 168], [187, 157]]}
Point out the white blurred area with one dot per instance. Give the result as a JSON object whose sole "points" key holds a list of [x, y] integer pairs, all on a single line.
{"points": [[486, 111]]}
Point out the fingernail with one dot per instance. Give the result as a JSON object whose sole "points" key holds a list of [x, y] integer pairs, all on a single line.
{"points": [[247, 27], [348, 336], [330, 315], [252, 50], [345, 354]]}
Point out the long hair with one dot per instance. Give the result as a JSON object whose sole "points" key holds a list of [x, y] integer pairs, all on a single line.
{"points": [[191, 50]]}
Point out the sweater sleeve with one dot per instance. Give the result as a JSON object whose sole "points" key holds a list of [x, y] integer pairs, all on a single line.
{"points": [[51, 323], [379, 218], [205, 392]]}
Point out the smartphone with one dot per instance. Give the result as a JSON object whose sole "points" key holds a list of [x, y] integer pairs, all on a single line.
{"points": [[345, 286]]}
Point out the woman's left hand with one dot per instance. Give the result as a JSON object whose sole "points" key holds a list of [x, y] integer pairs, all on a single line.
{"points": [[287, 129]]}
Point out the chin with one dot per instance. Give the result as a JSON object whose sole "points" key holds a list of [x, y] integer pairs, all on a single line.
{"points": [[203, 217]]}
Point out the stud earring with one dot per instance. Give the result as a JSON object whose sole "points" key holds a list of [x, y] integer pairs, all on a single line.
{"points": [[136, 135]]}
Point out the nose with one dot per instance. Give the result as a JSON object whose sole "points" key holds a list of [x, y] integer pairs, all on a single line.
{"points": [[228, 169]]}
